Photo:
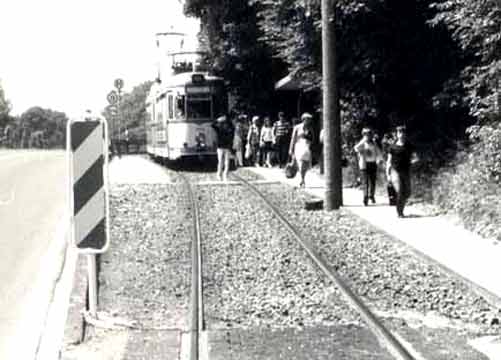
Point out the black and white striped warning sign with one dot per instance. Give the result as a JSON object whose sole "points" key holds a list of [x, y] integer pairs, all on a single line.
{"points": [[88, 159]]}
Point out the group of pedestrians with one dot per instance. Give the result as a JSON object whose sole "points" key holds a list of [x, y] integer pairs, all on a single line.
{"points": [[259, 142], [400, 155], [278, 143]]}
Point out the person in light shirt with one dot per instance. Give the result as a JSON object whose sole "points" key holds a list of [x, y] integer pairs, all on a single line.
{"points": [[266, 141], [369, 155]]}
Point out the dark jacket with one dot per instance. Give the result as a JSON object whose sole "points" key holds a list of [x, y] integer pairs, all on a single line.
{"points": [[225, 132]]}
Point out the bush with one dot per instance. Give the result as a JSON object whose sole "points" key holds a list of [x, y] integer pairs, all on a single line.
{"points": [[471, 187]]}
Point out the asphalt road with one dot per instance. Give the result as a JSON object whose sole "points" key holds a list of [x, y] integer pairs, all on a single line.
{"points": [[33, 190]]}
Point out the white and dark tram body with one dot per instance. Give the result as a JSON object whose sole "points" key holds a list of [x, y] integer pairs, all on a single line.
{"points": [[180, 112]]}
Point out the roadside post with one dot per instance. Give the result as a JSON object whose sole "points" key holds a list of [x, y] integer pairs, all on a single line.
{"points": [[88, 200]]}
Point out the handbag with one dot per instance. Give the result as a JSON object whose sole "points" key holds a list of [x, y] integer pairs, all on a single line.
{"points": [[248, 151], [291, 169], [392, 194]]}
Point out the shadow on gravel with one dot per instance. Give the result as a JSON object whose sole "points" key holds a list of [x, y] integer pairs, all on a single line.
{"points": [[192, 164], [410, 216]]}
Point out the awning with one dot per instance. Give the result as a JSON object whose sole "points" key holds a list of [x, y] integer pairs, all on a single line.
{"points": [[289, 83]]}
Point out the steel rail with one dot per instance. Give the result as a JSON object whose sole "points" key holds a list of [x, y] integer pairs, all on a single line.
{"points": [[394, 347], [197, 319]]}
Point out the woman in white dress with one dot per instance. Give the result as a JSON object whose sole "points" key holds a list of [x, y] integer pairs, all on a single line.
{"points": [[300, 146]]}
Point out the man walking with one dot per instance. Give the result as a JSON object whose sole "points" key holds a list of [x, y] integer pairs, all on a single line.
{"points": [[400, 157]]}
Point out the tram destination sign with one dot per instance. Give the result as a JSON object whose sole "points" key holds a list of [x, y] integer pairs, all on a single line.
{"points": [[198, 89]]}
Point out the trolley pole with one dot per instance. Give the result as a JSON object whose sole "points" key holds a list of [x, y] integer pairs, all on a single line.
{"points": [[331, 119]]}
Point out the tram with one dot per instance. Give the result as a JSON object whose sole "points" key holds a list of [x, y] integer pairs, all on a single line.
{"points": [[180, 111]]}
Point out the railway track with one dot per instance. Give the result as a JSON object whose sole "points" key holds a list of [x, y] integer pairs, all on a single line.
{"points": [[262, 297], [394, 346], [196, 309], [197, 326]]}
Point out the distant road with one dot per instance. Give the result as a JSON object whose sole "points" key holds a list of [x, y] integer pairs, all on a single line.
{"points": [[32, 211]]}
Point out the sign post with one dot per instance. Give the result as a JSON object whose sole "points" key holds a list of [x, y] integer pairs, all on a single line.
{"points": [[119, 84], [88, 200]]}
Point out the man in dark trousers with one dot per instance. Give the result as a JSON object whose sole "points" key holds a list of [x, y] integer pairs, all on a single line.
{"points": [[398, 167], [282, 132], [225, 132]]}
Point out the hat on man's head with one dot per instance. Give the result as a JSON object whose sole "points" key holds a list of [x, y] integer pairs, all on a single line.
{"points": [[366, 131], [306, 116], [255, 118], [221, 118]]}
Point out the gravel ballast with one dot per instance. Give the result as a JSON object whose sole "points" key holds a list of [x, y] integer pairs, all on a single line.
{"points": [[257, 277], [387, 273], [145, 275], [255, 274]]}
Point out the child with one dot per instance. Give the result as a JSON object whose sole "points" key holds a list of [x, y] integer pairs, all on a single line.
{"points": [[266, 141], [253, 137]]}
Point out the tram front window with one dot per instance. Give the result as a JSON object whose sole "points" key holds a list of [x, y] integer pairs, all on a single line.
{"points": [[180, 106], [199, 108]]}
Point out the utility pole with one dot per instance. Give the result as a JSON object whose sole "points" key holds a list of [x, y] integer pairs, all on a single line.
{"points": [[331, 118]]}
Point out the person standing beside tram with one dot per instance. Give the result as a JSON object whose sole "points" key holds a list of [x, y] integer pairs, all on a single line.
{"points": [[225, 132], [369, 155], [401, 155]]}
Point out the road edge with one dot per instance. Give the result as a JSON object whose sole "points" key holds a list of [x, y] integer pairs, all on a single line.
{"points": [[64, 324]]}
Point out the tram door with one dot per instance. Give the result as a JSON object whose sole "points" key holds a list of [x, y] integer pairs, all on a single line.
{"points": [[169, 117]]}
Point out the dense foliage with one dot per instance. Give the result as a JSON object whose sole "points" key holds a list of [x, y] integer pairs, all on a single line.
{"points": [[4, 109], [475, 25], [131, 113], [434, 65], [230, 33], [470, 186], [393, 67], [36, 128]]}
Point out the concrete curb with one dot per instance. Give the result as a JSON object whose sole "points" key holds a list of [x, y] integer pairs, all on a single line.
{"points": [[74, 330]]}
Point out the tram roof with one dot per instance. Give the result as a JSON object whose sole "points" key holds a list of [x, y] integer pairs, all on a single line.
{"points": [[178, 80], [186, 78]]}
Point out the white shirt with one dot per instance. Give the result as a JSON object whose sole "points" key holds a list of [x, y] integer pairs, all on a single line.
{"points": [[367, 152]]}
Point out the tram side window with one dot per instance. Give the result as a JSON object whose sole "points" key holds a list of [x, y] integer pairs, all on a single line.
{"points": [[180, 106], [199, 108], [171, 107]]}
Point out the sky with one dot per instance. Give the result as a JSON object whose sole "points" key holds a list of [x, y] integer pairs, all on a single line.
{"points": [[65, 54]]}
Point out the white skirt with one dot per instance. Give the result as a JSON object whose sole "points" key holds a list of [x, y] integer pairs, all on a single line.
{"points": [[302, 150]]}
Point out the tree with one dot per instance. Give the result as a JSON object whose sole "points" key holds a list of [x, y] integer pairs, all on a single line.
{"points": [[395, 64], [4, 108], [231, 34], [38, 126], [475, 26], [392, 65], [132, 112]]}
